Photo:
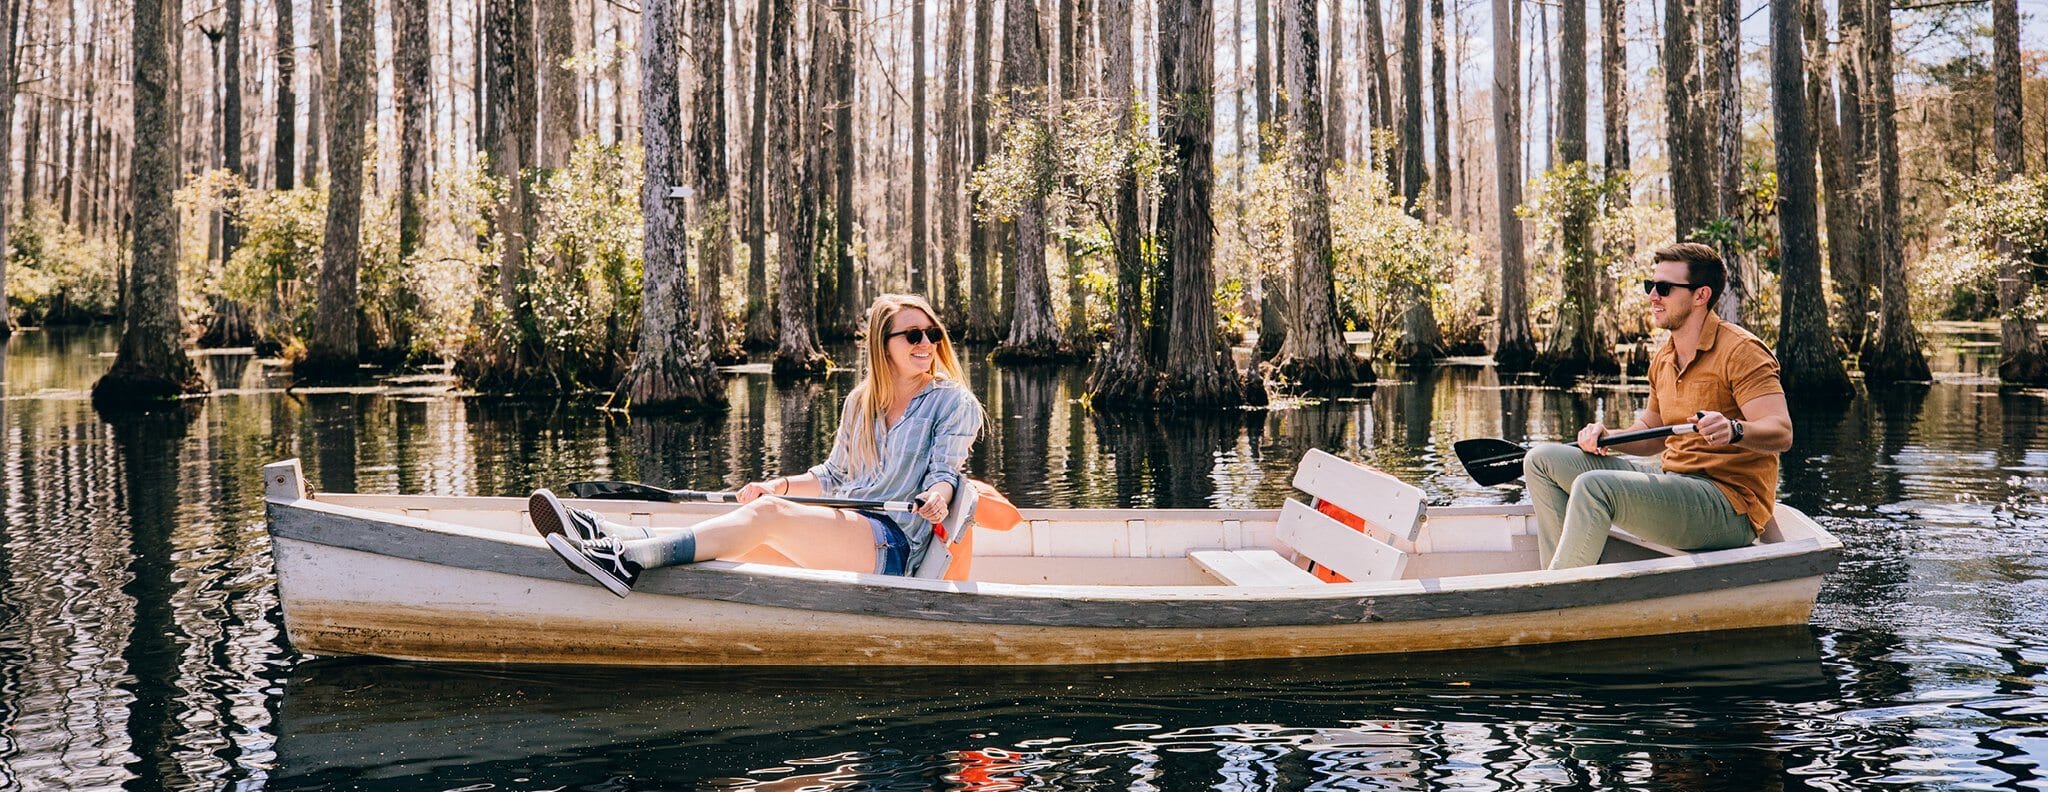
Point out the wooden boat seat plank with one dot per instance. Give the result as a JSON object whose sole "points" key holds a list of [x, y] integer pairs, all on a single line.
{"points": [[1252, 568], [1325, 541]]}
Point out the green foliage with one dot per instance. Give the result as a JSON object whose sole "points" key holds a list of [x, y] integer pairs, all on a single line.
{"points": [[443, 276], [1384, 257], [1073, 162], [1620, 235], [273, 272], [581, 282], [57, 275], [1958, 278]]}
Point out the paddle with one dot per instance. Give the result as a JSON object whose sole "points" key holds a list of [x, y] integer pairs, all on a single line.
{"points": [[1491, 461], [633, 490]]}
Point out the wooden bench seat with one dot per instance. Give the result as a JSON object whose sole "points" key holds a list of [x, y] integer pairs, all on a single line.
{"points": [[1252, 568]]}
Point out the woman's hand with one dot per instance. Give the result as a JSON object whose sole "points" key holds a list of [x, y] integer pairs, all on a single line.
{"points": [[932, 503], [774, 486]]}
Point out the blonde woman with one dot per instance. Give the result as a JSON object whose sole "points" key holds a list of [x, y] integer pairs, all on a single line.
{"points": [[904, 434]]}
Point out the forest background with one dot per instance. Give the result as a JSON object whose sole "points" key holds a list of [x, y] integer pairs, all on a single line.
{"points": [[603, 195]]}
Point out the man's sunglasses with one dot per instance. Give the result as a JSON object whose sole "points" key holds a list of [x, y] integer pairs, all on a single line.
{"points": [[917, 335], [1663, 288]]}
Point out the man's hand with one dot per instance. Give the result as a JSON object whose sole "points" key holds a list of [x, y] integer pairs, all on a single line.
{"points": [[1589, 439], [1714, 427], [932, 503]]}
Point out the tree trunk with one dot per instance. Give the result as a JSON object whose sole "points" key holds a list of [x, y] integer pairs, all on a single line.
{"points": [[231, 115], [332, 351], [1826, 131], [1806, 348], [1894, 355], [846, 300], [1440, 176], [557, 31], [11, 14], [920, 260], [1315, 356], [1577, 345], [1242, 99], [1072, 86], [714, 217], [509, 133], [319, 89], [1420, 342], [2020, 355], [287, 102], [1033, 333], [1198, 366], [1514, 346], [1412, 147], [1691, 160], [1852, 270], [980, 312], [1262, 70], [954, 306], [1379, 91], [799, 161], [414, 48], [1724, 68], [760, 315], [1124, 374], [672, 371], [1614, 86], [1339, 144]]}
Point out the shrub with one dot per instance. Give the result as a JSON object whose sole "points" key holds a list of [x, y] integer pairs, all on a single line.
{"points": [[57, 275]]}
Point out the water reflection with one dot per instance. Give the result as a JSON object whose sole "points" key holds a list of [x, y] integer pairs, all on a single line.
{"points": [[1312, 723], [140, 641]]}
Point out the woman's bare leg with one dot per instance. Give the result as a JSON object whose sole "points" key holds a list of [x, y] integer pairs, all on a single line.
{"points": [[814, 537]]}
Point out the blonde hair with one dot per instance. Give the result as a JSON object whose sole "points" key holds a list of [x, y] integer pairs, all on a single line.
{"points": [[874, 397]]}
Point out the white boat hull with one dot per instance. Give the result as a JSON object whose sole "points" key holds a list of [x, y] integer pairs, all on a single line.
{"points": [[384, 581]]}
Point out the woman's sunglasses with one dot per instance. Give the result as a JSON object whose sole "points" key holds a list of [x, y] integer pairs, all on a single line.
{"points": [[917, 335], [1663, 288]]}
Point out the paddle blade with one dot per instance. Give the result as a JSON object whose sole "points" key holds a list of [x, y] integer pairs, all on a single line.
{"points": [[619, 490], [1490, 461]]}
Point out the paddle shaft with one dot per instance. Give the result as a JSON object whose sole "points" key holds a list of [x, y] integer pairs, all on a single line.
{"points": [[837, 503], [633, 490], [1609, 440]]}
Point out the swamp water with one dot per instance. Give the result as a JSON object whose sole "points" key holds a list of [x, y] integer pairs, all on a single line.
{"points": [[141, 644]]}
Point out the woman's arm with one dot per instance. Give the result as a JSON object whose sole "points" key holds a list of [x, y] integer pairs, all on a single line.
{"points": [[801, 484], [953, 432]]}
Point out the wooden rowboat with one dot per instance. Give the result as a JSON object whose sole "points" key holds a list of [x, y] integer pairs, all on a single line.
{"points": [[467, 579]]}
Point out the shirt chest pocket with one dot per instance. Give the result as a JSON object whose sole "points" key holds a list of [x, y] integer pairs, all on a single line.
{"points": [[1701, 390]]}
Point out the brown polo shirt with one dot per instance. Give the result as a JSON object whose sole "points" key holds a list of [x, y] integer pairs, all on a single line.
{"points": [[1731, 367]]}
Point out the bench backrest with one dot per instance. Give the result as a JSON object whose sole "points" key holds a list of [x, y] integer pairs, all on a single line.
{"points": [[1385, 502]]}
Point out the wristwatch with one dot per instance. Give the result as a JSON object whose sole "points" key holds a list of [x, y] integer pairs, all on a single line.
{"points": [[1736, 427]]}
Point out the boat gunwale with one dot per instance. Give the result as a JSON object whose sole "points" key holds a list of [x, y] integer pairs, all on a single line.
{"points": [[496, 551]]}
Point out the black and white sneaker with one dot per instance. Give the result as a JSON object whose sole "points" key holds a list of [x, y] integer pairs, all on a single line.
{"points": [[603, 560], [551, 517]]}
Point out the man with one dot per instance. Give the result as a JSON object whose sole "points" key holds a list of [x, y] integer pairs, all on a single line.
{"points": [[1717, 487]]}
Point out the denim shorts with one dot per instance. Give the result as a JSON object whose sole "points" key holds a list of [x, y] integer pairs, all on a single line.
{"points": [[892, 548]]}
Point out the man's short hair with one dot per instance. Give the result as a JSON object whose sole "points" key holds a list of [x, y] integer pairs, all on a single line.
{"points": [[1703, 267]]}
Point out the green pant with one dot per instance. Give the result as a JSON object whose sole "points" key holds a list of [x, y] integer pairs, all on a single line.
{"points": [[1579, 495]]}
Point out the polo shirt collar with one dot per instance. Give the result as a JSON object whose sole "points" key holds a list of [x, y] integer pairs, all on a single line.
{"points": [[1709, 330]]}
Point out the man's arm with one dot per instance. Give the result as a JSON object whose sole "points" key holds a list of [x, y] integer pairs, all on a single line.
{"points": [[1768, 427]]}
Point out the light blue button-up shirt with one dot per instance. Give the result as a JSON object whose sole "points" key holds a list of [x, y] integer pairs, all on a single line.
{"points": [[927, 446]]}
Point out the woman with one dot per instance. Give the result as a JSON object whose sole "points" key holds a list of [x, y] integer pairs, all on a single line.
{"points": [[904, 434]]}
